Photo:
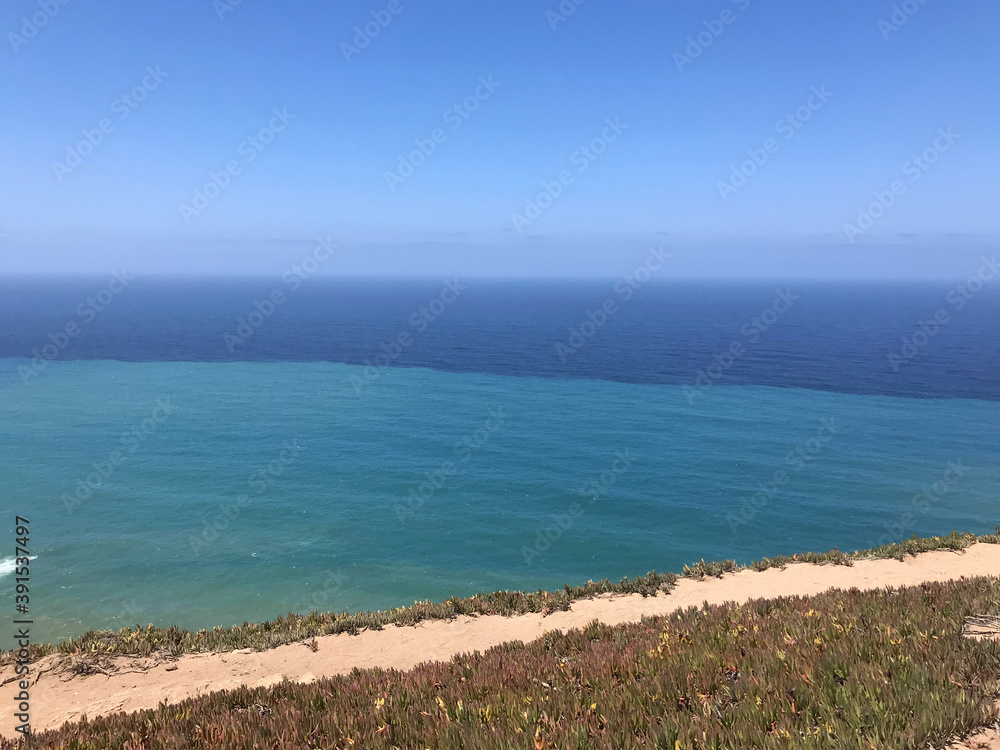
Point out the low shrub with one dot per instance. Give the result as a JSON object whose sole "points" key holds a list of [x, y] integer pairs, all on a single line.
{"points": [[173, 641], [883, 669]]}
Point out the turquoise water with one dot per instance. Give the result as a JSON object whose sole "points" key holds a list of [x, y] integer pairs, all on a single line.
{"points": [[334, 529]]}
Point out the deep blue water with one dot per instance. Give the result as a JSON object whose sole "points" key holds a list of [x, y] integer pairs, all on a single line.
{"points": [[443, 473], [834, 337]]}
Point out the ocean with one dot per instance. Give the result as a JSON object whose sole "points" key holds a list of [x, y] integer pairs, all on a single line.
{"points": [[203, 452]]}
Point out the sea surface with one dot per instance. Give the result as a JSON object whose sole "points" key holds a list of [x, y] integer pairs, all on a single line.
{"points": [[366, 444]]}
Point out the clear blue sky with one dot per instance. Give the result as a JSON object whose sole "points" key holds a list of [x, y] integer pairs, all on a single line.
{"points": [[324, 173]]}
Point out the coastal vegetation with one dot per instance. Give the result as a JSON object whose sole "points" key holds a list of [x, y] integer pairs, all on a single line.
{"points": [[890, 668], [294, 627]]}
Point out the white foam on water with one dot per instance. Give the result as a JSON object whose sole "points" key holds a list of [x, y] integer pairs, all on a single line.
{"points": [[9, 565]]}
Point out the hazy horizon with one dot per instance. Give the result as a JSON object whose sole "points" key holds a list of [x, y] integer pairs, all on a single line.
{"points": [[684, 262], [535, 139]]}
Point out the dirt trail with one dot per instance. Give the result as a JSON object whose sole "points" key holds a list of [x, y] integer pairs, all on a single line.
{"points": [[138, 684]]}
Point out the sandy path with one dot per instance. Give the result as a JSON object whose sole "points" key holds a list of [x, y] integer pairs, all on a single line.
{"points": [[56, 699], [988, 740]]}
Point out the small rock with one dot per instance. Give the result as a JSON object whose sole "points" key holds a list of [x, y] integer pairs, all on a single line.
{"points": [[243, 651]]}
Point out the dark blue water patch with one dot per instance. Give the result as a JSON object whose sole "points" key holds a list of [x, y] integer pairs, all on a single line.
{"points": [[834, 337]]}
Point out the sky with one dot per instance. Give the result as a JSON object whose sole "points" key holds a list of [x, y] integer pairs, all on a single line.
{"points": [[847, 139]]}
